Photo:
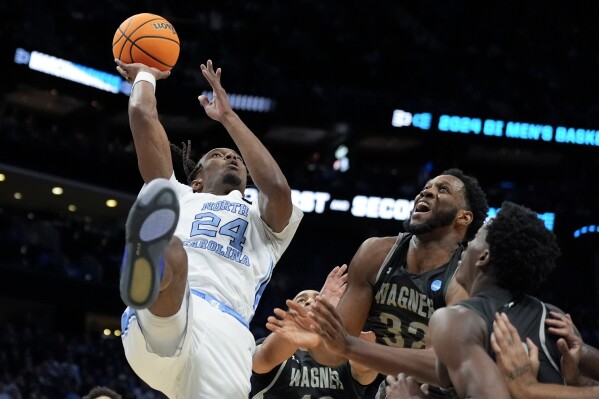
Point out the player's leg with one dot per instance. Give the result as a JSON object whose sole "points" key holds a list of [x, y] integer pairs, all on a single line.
{"points": [[150, 246], [173, 286], [158, 348], [187, 355]]}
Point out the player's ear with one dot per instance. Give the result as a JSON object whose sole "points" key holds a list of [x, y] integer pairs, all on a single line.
{"points": [[484, 259], [197, 185], [464, 217]]}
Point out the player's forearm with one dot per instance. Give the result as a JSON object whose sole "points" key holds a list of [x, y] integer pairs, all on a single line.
{"points": [[585, 382], [273, 351], [419, 363], [362, 374], [151, 144], [551, 391], [263, 168], [142, 109], [325, 357], [589, 362]]}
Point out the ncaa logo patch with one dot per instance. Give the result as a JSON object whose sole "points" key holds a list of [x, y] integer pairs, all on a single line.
{"points": [[436, 285]]}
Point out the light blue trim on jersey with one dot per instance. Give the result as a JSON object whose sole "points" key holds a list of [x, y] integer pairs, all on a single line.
{"points": [[262, 284], [215, 303], [126, 320]]}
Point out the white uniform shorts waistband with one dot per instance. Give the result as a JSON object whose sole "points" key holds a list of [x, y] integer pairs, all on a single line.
{"points": [[221, 306]]}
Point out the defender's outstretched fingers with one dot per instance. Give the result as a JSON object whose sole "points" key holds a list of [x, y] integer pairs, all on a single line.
{"points": [[514, 336], [391, 379], [272, 327], [562, 324], [273, 323], [203, 100], [280, 313], [318, 328], [558, 319], [533, 350], [499, 337], [495, 344], [296, 307], [325, 308], [326, 317]]}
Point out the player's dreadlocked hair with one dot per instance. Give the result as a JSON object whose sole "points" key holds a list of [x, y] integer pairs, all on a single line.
{"points": [[523, 251], [189, 165], [476, 201]]}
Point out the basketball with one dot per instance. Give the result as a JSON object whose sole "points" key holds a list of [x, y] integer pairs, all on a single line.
{"points": [[148, 39]]}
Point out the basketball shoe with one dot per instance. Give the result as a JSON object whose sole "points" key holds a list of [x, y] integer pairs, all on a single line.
{"points": [[150, 225]]}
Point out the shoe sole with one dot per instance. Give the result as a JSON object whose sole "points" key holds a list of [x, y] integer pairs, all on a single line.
{"points": [[150, 226]]}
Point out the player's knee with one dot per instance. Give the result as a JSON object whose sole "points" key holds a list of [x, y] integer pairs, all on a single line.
{"points": [[176, 257]]}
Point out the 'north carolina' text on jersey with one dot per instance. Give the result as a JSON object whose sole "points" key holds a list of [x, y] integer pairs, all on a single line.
{"points": [[231, 251]]}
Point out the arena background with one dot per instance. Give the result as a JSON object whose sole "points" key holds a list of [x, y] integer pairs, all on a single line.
{"points": [[359, 102]]}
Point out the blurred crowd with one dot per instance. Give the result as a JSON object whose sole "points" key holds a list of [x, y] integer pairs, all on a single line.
{"points": [[37, 363]]}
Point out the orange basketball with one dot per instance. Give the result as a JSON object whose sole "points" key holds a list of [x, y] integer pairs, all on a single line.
{"points": [[149, 39]]}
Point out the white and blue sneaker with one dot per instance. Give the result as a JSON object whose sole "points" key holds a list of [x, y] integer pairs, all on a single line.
{"points": [[150, 225]]}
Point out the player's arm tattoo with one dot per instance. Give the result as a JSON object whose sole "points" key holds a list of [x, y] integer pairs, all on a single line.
{"points": [[519, 371]]}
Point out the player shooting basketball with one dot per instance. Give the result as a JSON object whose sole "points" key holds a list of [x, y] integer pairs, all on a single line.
{"points": [[210, 252]]}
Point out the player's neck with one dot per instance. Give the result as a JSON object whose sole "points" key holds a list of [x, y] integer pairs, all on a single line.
{"points": [[425, 255], [482, 282], [222, 189]]}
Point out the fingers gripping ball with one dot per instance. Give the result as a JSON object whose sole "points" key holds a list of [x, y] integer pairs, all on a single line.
{"points": [[149, 39]]}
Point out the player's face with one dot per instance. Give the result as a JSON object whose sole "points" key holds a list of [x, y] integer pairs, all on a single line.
{"points": [[306, 298], [471, 255], [437, 205], [224, 166]]}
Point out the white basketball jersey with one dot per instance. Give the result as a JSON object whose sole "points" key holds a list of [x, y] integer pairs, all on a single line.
{"points": [[231, 251]]}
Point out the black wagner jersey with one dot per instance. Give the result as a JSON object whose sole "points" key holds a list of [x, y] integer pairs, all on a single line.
{"points": [[404, 301], [301, 377], [528, 315]]}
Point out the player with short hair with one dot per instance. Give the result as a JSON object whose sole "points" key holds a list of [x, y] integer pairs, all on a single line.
{"points": [[283, 368], [395, 283], [198, 256], [508, 258]]}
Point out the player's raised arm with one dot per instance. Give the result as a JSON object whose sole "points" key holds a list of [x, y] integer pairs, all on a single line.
{"points": [[150, 139], [275, 193]]}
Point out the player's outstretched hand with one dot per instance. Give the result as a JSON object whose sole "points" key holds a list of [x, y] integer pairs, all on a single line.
{"points": [[569, 344], [516, 365], [335, 284], [294, 325], [403, 387], [219, 105], [329, 326], [129, 71]]}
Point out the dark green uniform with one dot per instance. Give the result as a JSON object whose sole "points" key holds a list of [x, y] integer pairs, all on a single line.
{"points": [[404, 301], [301, 377], [528, 315]]}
